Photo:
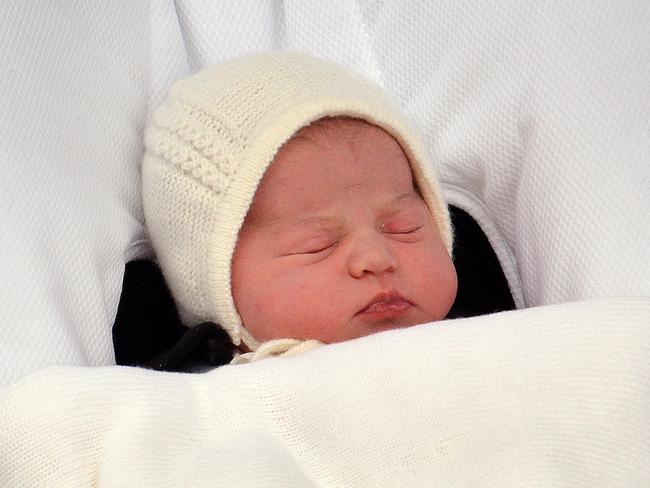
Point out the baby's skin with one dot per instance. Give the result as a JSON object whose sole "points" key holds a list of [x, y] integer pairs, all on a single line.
{"points": [[338, 243]]}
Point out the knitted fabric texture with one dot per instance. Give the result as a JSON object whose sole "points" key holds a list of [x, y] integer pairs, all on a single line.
{"points": [[208, 146]]}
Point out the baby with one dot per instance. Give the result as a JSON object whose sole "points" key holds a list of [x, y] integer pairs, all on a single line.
{"points": [[289, 201]]}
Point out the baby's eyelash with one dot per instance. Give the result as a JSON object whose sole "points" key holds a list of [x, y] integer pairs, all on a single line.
{"points": [[316, 251], [312, 251], [408, 230]]}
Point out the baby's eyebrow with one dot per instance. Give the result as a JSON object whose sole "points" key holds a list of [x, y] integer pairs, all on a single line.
{"points": [[399, 202], [325, 222], [318, 221], [279, 224]]}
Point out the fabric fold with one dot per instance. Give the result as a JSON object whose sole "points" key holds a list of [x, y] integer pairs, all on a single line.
{"points": [[548, 396]]}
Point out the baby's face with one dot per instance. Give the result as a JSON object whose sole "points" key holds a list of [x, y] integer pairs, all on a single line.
{"points": [[338, 244]]}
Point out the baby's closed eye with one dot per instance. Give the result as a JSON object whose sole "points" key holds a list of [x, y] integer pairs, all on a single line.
{"points": [[405, 228], [404, 225], [312, 246]]}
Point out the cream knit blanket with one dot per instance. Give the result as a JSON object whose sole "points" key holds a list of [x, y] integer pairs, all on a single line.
{"points": [[551, 396]]}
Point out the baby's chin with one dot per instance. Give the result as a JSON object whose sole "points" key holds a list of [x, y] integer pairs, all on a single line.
{"points": [[407, 317], [387, 323], [390, 324]]}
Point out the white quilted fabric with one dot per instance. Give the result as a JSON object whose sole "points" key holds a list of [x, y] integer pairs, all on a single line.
{"points": [[548, 397], [71, 112]]}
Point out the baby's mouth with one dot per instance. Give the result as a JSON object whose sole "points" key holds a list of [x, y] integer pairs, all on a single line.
{"points": [[385, 305]]}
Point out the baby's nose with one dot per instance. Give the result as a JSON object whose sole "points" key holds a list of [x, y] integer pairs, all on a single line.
{"points": [[371, 254]]}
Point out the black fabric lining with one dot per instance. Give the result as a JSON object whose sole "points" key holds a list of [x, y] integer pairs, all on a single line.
{"points": [[148, 331], [482, 285]]}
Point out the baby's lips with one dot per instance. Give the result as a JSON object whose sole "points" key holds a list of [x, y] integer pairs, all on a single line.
{"points": [[383, 307], [387, 304]]}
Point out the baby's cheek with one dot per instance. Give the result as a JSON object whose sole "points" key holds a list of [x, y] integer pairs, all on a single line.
{"points": [[434, 277], [274, 306], [303, 308], [279, 309]]}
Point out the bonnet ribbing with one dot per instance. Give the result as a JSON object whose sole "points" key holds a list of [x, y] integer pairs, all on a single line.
{"points": [[210, 142]]}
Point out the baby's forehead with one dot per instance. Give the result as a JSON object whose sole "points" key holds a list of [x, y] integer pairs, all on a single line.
{"points": [[333, 130], [327, 159], [342, 146]]}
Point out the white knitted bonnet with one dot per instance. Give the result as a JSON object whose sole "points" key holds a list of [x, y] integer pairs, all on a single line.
{"points": [[210, 142]]}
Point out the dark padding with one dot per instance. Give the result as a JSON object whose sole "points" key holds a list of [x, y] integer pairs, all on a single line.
{"points": [[482, 286]]}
